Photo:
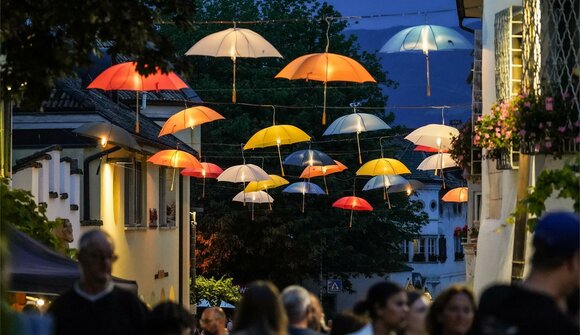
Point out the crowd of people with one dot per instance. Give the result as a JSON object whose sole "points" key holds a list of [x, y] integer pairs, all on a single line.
{"points": [[545, 303]]}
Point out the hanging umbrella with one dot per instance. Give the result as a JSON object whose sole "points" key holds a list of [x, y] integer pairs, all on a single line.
{"points": [[107, 132], [277, 135], [207, 170], [308, 157], [189, 118], [385, 181], [352, 203], [458, 194], [425, 38], [382, 166], [125, 77], [356, 123], [434, 136], [436, 162], [317, 171], [326, 67], [259, 197], [233, 43], [425, 148], [175, 159], [260, 185], [413, 185], [303, 188], [243, 173]]}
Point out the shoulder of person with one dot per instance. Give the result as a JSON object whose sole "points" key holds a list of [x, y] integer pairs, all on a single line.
{"points": [[365, 330]]}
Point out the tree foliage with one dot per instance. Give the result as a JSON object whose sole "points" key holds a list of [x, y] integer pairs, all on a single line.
{"points": [[283, 244], [214, 291], [44, 40]]}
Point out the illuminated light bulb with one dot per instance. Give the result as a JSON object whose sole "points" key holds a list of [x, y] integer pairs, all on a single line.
{"points": [[192, 124], [324, 169], [425, 40], [409, 190], [104, 142], [438, 141], [203, 172], [40, 302], [253, 197], [278, 141]]}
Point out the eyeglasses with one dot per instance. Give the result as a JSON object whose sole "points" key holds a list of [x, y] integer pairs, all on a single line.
{"points": [[102, 257]]}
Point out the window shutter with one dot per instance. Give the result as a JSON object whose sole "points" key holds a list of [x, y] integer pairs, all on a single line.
{"points": [[442, 249]]}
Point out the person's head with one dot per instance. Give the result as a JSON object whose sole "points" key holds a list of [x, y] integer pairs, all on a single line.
{"points": [[261, 309], [317, 316], [213, 321], [386, 304], [347, 322], [96, 256], [418, 306], [168, 318], [298, 305], [556, 245], [452, 312]]}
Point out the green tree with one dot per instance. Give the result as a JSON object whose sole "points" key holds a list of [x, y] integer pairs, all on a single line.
{"points": [[283, 244], [215, 291]]}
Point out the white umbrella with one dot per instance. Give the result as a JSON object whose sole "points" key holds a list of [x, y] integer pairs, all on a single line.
{"points": [[385, 181], [437, 162], [433, 135], [259, 197], [243, 173], [234, 43]]}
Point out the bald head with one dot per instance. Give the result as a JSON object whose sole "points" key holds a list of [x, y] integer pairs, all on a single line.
{"points": [[96, 257]]}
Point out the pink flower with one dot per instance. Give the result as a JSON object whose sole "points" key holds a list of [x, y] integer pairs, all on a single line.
{"points": [[527, 104], [522, 132], [562, 129], [549, 104], [577, 139], [486, 136], [479, 118], [508, 134], [548, 144]]}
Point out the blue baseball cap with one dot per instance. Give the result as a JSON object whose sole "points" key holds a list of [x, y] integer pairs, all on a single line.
{"points": [[559, 231]]}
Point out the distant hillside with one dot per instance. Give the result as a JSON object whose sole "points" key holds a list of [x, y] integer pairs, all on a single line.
{"points": [[449, 71]]}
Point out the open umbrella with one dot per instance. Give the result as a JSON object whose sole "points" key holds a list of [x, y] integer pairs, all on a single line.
{"points": [[425, 38], [259, 197], [317, 171], [207, 170], [125, 77], [352, 203], [326, 67], [413, 185], [277, 135], [261, 185], [243, 173], [385, 181], [459, 194], [175, 159], [433, 135], [233, 43], [436, 162], [107, 132], [189, 118], [303, 188], [308, 157], [382, 166], [425, 148], [356, 123]]}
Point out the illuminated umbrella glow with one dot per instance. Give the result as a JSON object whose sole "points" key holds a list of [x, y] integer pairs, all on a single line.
{"points": [[175, 159], [303, 188], [259, 197], [207, 170], [459, 194], [108, 133], [352, 203], [189, 118], [317, 171]]}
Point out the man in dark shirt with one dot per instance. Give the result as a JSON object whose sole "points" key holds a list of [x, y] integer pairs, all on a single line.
{"points": [[298, 305], [95, 305], [537, 305]]}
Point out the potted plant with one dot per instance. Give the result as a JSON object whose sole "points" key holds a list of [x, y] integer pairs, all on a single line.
{"points": [[498, 133], [548, 124], [461, 150]]}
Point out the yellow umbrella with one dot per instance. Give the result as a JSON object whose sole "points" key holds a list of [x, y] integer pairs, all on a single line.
{"points": [[260, 185], [189, 118], [458, 194], [277, 135], [382, 166]]}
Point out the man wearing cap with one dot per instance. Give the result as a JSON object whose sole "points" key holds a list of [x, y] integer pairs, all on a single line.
{"points": [[537, 305]]}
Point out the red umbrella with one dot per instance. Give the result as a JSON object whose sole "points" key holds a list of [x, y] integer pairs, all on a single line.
{"points": [[125, 77], [207, 170], [425, 148], [354, 204]]}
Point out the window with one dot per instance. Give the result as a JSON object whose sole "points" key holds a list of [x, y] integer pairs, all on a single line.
{"points": [[133, 193], [432, 249], [167, 207], [477, 206], [458, 248], [405, 250]]}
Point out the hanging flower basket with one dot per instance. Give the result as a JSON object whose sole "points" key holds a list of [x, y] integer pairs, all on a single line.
{"points": [[497, 132]]}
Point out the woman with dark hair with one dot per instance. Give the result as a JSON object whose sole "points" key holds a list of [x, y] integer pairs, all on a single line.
{"points": [[347, 322], [260, 312], [169, 318], [386, 305], [452, 312], [418, 306]]}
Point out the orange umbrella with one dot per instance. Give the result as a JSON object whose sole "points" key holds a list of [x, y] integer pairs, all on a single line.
{"points": [[189, 118], [458, 194], [317, 171], [125, 77], [175, 159], [326, 67], [208, 170], [354, 204]]}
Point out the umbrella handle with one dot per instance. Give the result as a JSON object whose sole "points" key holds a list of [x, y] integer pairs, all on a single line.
{"points": [[350, 223], [325, 185], [203, 189], [173, 178], [388, 200], [358, 145], [252, 211], [324, 106], [234, 82], [428, 80], [137, 111], [303, 200], [280, 159]]}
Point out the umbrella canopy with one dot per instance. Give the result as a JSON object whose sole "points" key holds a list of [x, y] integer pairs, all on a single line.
{"points": [[425, 148], [303, 187], [277, 135], [382, 166], [437, 161], [259, 197], [189, 118], [175, 159], [107, 132], [326, 67], [234, 43], [125, 77], [356, 123], [433, 135], [243, 173], [260, 185], [459, 194], [385, 181], [353, 203], [325, 170], [207, 170], [413, 185], [308, 157], [425, 38]]}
